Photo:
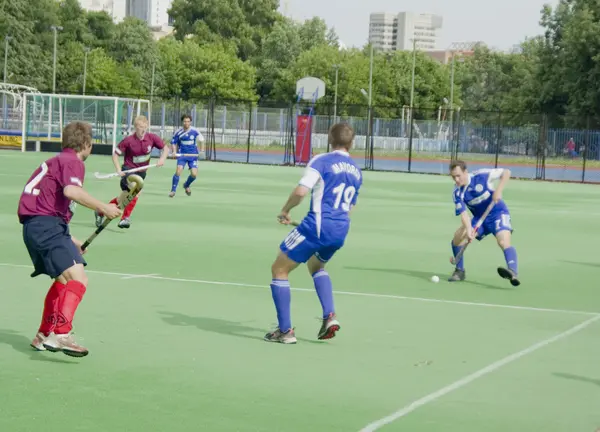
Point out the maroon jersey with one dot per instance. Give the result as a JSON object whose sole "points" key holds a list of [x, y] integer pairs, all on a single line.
{"points": [[43, 194], [137, 151]]}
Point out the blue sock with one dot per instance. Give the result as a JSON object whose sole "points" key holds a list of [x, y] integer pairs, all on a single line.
{"points": [[324, 291], [510, 254], [189, 181], [461, 263], [280, 289], [175, 183]]}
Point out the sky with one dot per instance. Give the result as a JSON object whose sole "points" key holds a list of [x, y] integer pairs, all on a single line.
{"points": [[499, 23]]}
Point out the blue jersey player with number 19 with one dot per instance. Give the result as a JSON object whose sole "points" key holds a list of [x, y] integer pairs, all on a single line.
{"points": [[334, 180], [476, 192], [185, 142]]}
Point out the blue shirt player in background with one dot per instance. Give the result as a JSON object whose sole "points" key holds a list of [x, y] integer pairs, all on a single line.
{"points": [[335, 181], [475, 192], [186, 141]]}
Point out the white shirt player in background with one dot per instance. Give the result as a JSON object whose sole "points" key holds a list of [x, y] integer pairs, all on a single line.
{"points": [[187, 141], [334, 180], [475, 192]]}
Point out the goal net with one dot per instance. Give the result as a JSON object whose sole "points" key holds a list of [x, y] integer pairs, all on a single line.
{"points": [[111, 118]]}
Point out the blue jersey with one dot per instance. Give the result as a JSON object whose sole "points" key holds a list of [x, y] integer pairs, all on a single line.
{"points": [[186, 140], [477, 194], [335, 181]]}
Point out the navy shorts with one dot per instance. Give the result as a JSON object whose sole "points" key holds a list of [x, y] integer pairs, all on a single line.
{"points": [[50, 246], [124, 182]]}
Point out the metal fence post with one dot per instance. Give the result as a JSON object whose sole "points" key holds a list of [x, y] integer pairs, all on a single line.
{"points": [[498, 137], [410, 138], [249, 132], [586, 144]]}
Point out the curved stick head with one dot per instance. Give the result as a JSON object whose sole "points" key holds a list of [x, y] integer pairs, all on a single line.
{"points": [[135, 183]]}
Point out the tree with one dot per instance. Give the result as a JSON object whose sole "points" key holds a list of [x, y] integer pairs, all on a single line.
{"points": [[106, 76], [199, 72], [570, 58], [313, 32], [244, 23], [133, 43], [280, 48], [102, 27], [74, 22], [28, 23]]}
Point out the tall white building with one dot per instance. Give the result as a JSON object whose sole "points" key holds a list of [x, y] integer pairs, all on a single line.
{"points": [[391, 32], [115, 8], [154, 12]]}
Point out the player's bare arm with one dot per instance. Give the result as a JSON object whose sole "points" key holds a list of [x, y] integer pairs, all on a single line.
{"points": [[174, 150], [294, 200], [117, 164], [164, 154], [80, 196], [465, 219], [503, 180]]}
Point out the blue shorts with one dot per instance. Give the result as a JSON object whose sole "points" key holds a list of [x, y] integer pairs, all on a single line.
{"points": [[302, 243], [493, 224], [191, 162], [50, 246]]}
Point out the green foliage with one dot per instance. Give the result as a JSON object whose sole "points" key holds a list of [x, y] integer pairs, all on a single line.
{"points": [[245, 49]]}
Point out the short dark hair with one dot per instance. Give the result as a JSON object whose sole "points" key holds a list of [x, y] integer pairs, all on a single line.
{"points": [[341, 135], [186, 116], [458, 164], [77, 135]]}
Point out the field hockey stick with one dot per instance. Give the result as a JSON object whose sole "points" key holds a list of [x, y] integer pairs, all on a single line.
{"points": [[461, 252], [136, 183], [111, 175], [184, 155]]}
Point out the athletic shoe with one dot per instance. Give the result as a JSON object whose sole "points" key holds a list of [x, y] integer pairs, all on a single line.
{"points": [[66, 344], [124, 223], [277, 335], [457, 276], [507, 273], [329, 327], [38, 342]]}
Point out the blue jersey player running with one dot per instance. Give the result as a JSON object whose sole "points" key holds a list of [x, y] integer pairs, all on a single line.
{"points": [[186, 141], [335, 181], [475, 192]]}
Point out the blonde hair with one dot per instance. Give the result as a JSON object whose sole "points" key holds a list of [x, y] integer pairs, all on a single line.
{"points": [[141, 119]]}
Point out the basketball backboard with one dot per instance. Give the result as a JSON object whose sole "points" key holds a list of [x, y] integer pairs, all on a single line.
{"points": [[310, 88]]}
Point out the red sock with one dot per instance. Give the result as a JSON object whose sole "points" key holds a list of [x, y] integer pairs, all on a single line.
{"points": [[112, 201], [51, 308], [68, 300], [129, 208]]}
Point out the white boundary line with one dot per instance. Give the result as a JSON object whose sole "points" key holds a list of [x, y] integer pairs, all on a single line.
{"points": [[476, 375], [348, 293], [141, 276]]}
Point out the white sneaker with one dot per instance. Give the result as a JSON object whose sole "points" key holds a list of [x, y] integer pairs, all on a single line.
{"points": [[38, 342], [66, 344], [125, 223]]}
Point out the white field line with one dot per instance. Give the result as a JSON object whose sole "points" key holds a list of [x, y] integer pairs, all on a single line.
{"points": [[142, 276], [432, 397], [348, 293]]}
